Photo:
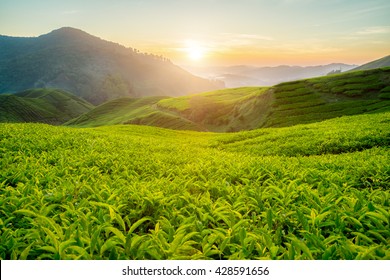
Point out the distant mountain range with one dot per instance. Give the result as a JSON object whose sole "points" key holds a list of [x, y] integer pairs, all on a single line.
{"points": [[89, 67], [244, 75]]}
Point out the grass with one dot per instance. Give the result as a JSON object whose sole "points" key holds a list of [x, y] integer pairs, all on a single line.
{"points": [[315, 191]]}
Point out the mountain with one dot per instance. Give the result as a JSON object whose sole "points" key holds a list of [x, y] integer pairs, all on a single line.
{"points": [[244, 75], [92, 68], [382, 62], [50, 106], [246, 108]]}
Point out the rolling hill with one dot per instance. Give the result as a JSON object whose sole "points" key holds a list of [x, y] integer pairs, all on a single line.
{"points": [[286, 104], [379, 63], [141, 111], [89, 67], [210, 111], [223, 110], [51, 106], [316, 99]]}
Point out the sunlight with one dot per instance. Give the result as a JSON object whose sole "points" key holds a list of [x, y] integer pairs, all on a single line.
{"points": [[194, 50]]}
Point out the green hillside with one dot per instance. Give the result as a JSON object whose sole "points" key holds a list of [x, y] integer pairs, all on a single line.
{"points": [[286, 104], [50, 106], [141, 111], [379, 63], [223, 110], [317, 99], [313, 191]]}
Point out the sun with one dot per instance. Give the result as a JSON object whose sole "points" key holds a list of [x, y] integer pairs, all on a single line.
{"points": [[194, 50]]}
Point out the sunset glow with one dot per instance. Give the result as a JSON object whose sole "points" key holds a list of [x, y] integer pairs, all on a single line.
{"points": [[219, 32], [194, 50]]}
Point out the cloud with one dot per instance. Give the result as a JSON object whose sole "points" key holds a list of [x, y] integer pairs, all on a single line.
{"points": [[222, 42], [70, 12], [367, 31], [374, 30], [252, 37], [233, 40], [308, 49], [296, 1], [368, 10]]}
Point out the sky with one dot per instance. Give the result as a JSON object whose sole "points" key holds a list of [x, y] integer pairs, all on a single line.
{"points": [[219, 32]]}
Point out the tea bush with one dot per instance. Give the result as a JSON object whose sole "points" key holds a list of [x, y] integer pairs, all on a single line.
{"points": [[317, 191]]}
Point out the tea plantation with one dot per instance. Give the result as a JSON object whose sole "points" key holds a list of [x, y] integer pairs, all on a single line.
{"points": [[314, 191], [247, 108]]}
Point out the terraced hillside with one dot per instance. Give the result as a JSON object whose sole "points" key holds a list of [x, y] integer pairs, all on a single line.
{"points": [[317, 99], [286, 104], [50, 106], [303, 101]]}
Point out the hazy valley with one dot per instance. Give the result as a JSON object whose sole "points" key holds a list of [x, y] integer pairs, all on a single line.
{"points": [[244, 75]]}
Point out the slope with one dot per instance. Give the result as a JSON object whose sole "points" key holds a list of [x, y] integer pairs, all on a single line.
{"points": [[50, 106], [286, 104], [92, 68], [141, 111], [317, 99], [223, 110], [379, 63]]}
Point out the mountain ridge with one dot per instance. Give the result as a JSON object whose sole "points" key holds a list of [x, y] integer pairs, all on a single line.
{"points": [[90, 67]]}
